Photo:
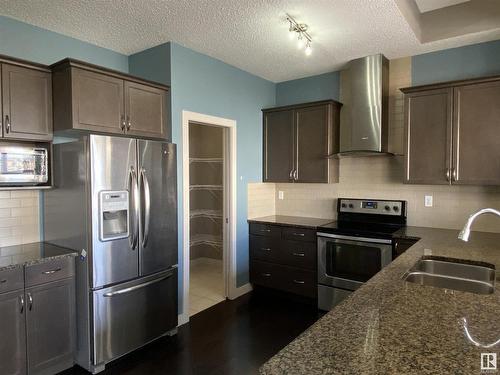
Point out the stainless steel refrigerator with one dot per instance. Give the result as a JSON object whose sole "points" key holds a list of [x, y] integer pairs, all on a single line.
{"points": [[115, 201]]}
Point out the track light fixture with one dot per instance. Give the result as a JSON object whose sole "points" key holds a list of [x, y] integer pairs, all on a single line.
{"points": [[300, 31]]}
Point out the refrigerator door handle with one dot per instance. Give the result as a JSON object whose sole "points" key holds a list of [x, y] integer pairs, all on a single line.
{"points": [[135, 287], [147, 207], [134, 194]]}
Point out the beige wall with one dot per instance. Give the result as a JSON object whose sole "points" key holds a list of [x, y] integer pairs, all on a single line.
{"points": [[19, 217]]}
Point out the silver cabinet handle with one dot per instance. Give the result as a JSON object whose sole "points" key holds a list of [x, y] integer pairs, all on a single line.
{"points": [[51, 271], [291, 175], [129, 124], [295, 175], [140, 286], [7, 124], [147, 207], [122, 126], [454, 174], [21, 301], [265, 249], [265, 230], [299, 254], [3, 281], [299, 282], [134, 202], [299, 234], [266, 274], [30, 301], [448, 174]]}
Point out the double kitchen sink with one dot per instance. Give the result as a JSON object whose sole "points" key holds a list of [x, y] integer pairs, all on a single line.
{"points": [[454, 274]]}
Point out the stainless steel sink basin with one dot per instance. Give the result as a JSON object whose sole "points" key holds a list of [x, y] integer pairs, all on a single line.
{"points": [[453, 274]]}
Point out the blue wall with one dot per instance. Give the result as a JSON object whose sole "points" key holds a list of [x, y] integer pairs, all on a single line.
{"points": [[309, 89], [24, 41], [206, 85], [476, 60], [152, 64]]}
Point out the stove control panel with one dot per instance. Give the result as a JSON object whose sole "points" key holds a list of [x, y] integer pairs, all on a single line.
{"points": [[371, 206]]}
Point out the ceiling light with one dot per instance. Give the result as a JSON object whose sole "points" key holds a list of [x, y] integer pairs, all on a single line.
{"points": [[308, 49], [300, 31]]}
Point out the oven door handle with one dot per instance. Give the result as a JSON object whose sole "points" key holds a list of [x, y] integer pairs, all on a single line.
{"points": [[353, 238]]}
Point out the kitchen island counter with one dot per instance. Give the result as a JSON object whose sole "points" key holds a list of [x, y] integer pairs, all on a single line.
{"points": [[390, 326]]}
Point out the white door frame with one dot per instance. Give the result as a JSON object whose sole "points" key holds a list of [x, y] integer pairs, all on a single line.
{"points": [[229, 206]]}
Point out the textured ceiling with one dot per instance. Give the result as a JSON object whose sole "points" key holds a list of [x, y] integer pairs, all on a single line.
{"points": [[249, 34], [430, 5]]}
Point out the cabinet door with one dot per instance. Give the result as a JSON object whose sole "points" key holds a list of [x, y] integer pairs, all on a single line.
{"points": [[50, 326], [97, 102], [12, 333], [278, 142], [314, 139], [146, 110], [476, 129], [428, 119], [27, 103]]}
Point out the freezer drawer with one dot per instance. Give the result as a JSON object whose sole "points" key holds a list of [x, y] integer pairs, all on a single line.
{"points": [[129, 315]]}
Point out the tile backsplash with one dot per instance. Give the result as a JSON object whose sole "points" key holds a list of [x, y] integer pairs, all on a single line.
{"points": [[261, 199], [19, 217], [381, 178]]}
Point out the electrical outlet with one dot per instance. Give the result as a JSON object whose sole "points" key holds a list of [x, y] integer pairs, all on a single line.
{"points": [[428, 201], [281, 195]]}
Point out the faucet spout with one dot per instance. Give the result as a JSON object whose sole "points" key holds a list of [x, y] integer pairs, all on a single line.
{"points": [[465, 232]]}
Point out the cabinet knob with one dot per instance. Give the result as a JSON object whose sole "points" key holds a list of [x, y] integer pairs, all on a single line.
{"points": [[122, 126], [129, 124]]}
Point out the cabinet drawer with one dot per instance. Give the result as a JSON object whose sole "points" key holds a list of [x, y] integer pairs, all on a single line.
{"points": [[299, 254], [264, 248], [265, 230], [284, 278], [299, 234], [11, 279], [50, 271]]}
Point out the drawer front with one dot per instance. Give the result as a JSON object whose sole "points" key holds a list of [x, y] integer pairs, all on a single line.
{"points": [[299, 254], [265, 230], [299, 234], [264, 248], [284, 278], [50, 271], [11, 279]]}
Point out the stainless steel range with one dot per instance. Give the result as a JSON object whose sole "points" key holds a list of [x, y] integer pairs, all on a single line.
{"points": [[354, 248]]}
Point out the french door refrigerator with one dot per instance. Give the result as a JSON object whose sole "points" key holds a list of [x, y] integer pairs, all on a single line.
{"points": [[116, 202]]}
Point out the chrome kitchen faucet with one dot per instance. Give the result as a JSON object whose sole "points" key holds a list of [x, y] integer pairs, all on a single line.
{"points": [[465, 232]]}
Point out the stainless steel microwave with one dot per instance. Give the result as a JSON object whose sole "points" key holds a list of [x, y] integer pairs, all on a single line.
{"points": [[23, 164]]}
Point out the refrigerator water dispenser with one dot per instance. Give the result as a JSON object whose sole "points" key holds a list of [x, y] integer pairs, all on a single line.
{"points": [[113, 215]]}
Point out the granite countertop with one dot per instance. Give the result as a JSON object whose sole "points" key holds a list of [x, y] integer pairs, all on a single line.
{"points": [[390, 326], [31, 253], [292, 221]]}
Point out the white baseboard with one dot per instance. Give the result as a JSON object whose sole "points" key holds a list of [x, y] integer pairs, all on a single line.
{"points": [[238, 292]]}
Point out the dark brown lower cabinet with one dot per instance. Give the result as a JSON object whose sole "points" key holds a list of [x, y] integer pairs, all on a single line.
{"points": [[50, 318], [37, 318], [12, 333], [277, 262]]}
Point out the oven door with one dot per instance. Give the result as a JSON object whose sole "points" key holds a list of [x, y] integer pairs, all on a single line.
{"points": [[347, 262]]}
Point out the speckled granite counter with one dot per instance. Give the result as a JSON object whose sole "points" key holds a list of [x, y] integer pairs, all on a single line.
{"points": [[32, 253], [390, 326], [291, 221]]}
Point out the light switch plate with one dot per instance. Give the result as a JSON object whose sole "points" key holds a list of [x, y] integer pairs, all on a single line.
{"points": [[428, 201], [281, 195]]}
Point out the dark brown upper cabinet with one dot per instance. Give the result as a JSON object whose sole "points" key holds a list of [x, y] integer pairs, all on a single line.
{"points": [[428, 136], [26, 102], [298, 141], [453, 133], [91, 98]]}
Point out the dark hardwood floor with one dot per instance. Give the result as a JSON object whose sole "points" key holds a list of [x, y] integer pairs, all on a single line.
{"points": [[232, 337]]}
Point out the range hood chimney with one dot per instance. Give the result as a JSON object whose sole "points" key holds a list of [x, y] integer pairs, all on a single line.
{"points": [[364, 123]]}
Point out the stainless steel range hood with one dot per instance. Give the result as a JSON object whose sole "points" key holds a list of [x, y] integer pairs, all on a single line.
{"points": [[364, 87]]}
